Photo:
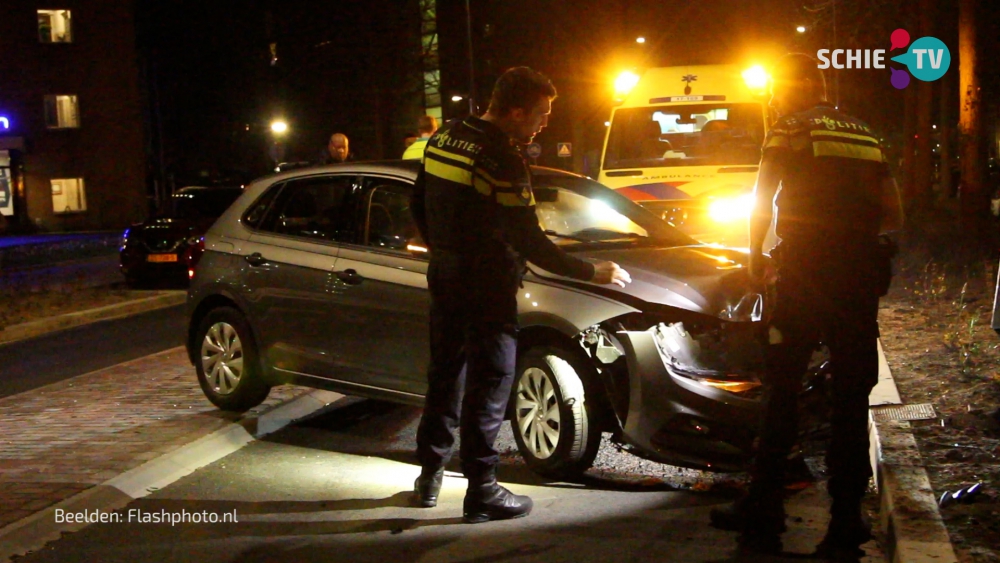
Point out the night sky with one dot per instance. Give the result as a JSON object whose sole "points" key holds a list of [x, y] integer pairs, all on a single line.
{"points": [[353, 65]]}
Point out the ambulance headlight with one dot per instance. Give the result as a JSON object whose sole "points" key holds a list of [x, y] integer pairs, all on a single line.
{"points": [[731, 209]]}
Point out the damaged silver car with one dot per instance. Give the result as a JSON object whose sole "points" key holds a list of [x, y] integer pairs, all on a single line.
{"points": [[317, 277]]}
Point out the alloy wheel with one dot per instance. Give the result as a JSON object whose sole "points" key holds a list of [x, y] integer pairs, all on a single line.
{"points": [[537, 412], [222, 358]]}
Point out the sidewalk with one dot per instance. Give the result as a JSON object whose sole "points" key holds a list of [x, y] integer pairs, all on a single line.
{"points": [[61, 439]]}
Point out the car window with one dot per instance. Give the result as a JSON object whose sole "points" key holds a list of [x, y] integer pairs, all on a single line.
{"points": [[389, 223], [255, 215], [316, 208]]}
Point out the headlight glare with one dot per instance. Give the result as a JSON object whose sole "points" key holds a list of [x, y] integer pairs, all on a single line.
{"points": [[730, 209]]}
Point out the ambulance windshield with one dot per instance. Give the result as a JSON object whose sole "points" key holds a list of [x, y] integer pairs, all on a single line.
{"points": [[686, 135]]}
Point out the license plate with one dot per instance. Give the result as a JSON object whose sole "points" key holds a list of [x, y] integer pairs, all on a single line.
{"points": [[161, 258]]}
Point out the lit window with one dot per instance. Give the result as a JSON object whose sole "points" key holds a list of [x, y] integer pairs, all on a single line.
{"points": [[68, 195], [61, 112], [54, 26]]}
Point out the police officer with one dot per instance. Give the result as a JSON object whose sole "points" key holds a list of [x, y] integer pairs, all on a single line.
{"points": [[474, 206], [826, 174]]}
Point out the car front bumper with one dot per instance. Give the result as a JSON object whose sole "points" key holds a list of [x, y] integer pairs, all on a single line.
{"points": [[680, 421]]}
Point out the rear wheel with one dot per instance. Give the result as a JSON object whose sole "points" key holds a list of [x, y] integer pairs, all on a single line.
{"points": [[228, 367], [553, 424]]}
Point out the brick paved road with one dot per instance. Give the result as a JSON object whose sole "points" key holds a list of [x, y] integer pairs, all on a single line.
{"points": [[61, 439]]}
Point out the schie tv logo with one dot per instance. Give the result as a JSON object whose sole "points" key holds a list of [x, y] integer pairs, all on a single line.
{"points": [[928, 58]]}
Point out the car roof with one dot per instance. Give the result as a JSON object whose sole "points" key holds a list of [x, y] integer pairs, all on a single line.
{"points": [[195, 189], [406, 168]]}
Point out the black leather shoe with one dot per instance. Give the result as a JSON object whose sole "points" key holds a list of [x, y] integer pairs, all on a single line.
{"points": [[490, 501], [427, 487], [844, 538]]}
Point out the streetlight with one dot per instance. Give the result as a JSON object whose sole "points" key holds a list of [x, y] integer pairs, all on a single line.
{"points": [[279, 127], [801, 29], [640, 40], [456, 98]]}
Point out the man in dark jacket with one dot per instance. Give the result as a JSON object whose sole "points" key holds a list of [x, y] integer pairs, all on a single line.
{"points": [[827, 177], [474, 206]]}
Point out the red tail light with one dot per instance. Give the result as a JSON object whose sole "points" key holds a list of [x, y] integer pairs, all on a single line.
{"points": [[193, 254]]}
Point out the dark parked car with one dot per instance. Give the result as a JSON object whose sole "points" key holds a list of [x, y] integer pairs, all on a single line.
{"points": [[317, 277], [166, 246]]}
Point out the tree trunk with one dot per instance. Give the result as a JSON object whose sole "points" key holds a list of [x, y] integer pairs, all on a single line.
{"points": [[923, 169], [909, 147], [944, 128], [974, 199]]}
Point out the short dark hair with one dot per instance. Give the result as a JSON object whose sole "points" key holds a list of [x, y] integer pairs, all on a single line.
{"points": [[799, 66], [520, 87]]}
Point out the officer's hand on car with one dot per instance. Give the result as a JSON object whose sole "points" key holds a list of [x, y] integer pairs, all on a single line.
{"points": [[762, 272], [609, 272]]}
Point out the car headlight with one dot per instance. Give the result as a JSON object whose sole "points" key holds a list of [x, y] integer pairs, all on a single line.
{"points": [[750, 308], [731, 209], [712, 358]]}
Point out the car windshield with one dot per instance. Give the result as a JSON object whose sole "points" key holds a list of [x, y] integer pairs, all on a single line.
{"points": [[686, 135], [576, 210], [202, 204]]}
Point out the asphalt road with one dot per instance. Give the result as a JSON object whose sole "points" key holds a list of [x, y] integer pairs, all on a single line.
{"points": [[336, 488], [32, 363]]}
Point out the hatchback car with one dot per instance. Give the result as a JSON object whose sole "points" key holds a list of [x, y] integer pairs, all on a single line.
{"points": [[167, 245], [317, 277]]}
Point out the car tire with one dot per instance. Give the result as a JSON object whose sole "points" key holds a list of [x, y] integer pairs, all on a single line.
{"points": [[553, 424], [227, 364]]}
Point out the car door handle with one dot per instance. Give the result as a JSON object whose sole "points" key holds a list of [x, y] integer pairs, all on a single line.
{"points": [[255, 259], [349, 276]]}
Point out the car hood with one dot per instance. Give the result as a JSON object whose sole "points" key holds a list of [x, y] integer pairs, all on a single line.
{"points": [[703, 279]]}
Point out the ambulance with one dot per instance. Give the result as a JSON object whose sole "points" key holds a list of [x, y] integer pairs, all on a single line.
{"points": [[685, 142]]}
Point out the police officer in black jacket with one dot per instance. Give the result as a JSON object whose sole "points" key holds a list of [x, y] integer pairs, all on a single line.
{"points": [[827, 176], [474, 207]]}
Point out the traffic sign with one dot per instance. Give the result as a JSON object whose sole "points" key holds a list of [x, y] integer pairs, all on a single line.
{"points": [[564, 149], [534, 150]]}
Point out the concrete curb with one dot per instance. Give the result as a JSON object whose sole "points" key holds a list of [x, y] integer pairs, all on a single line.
{"points": [[79, 318], [33, 532], [908, 512]]}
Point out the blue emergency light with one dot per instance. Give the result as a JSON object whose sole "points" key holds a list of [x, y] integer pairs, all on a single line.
{"points": [[4, 123]]}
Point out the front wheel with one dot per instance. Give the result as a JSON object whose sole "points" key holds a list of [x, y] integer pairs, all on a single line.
{"points": [[228, 367], [552, 422]]}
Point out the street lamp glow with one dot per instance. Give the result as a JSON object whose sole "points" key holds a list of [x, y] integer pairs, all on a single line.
{"points": [[625, 82], [801, 29], [456, 98], [279, 127], [640, 40]]}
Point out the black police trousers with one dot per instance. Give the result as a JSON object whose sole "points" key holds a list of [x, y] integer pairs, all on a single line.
{"points": [[829, 296], [473, 340]]}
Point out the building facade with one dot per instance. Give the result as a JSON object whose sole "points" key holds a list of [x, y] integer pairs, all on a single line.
{"points": [[72, 154]]}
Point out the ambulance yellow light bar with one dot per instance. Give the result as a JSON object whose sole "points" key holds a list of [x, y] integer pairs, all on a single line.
{"points": [[756, 77], [625, 82]]}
